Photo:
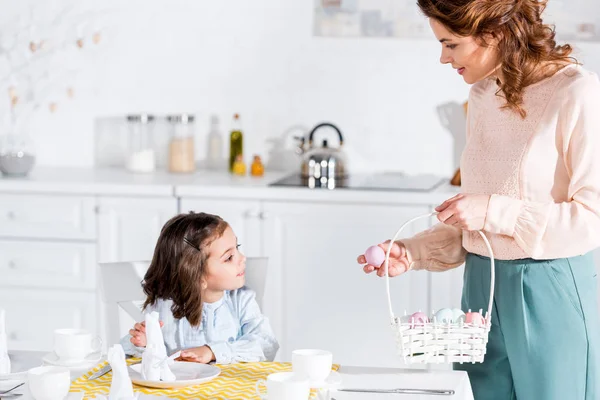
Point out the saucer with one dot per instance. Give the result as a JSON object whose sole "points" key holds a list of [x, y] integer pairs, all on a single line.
{"points": [[333, 380], [53, 359]]}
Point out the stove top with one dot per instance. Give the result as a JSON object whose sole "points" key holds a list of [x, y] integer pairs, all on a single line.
{"points": [[381, 181]]}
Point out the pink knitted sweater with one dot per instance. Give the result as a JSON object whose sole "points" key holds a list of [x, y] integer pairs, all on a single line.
{"points": [[542, 172]]}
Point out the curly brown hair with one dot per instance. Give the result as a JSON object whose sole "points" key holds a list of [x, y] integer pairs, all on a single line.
{"points": [[179, 263], [527, 48]]}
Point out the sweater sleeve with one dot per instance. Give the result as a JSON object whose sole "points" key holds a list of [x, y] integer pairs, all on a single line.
{"points": [[256, 341], [541, 228], [436, 249]]}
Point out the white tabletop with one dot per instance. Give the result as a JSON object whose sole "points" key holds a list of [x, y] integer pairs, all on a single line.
{"points": [[352, 377]]}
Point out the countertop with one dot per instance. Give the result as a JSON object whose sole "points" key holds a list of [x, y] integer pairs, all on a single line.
{"points": [[202, 183]]}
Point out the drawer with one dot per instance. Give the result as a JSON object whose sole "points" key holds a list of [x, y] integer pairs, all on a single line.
{"points": [[48, 265], [43, 216], [33, 315]]}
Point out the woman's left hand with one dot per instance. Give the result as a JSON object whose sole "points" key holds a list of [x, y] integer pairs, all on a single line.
{"points": [[465, 211], [202, 355]]}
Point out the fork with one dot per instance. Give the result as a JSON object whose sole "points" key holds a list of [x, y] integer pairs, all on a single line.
{"points": [[11, 389]]}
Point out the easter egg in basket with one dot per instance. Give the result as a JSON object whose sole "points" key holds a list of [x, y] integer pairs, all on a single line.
{"points": [[418, 319], [444, 316], [458, 315], [474, 318]]}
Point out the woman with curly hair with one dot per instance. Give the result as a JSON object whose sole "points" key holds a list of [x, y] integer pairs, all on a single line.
{"points": [[531, 181]]}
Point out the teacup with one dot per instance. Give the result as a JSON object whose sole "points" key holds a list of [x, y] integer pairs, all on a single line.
{"points": [[284, 386], [49, 383], [75, 344], [312, 364]]}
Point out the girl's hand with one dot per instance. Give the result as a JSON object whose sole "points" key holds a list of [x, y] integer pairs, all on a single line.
{"points": [[202, 355], [465, 211], [398, 264], [138, 334]]}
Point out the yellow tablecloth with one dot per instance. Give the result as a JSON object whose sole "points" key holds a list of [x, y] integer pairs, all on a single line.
{"points": [[236, 381]]}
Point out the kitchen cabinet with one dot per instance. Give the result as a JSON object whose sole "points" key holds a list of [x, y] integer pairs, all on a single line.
{"points": [[47, 266], [129, 227], [318, 296], [244, 216]]}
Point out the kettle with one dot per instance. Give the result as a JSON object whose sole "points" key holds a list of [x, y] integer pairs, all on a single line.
{"points": [[323, 163]]}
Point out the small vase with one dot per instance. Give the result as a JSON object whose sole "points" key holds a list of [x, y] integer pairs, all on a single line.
{"points": [[17, 155]]}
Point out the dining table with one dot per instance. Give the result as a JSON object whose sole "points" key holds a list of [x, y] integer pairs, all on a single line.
{"points": [[357, 382]]}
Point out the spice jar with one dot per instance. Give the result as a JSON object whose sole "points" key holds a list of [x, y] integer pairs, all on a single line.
{"points": [[181, 144], [141, 156]]}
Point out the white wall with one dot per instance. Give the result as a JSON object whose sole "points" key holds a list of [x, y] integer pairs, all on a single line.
{"points": [[259, 58]]}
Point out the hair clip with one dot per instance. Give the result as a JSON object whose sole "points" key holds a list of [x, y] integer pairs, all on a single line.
{"points": [[191, 244]]}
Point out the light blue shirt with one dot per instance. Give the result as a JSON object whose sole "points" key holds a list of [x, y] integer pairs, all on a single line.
{"points": [[233, 327]]}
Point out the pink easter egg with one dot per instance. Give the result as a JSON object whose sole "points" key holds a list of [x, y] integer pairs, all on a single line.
{"points": [[474, 318], [418, 319], [375, 256]]}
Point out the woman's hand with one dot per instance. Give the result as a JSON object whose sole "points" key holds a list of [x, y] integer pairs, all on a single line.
{"points": [[138, 334], [202, 355], [398, 264], [465, 211]]}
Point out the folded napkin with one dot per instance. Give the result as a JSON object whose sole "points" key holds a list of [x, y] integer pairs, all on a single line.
{"points": [[4, 359], [155, 363], [120, 386]]}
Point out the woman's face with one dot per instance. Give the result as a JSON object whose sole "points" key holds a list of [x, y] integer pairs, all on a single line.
{"points": [[471, 60]]}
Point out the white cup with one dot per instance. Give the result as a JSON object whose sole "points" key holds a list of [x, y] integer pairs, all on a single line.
{"points": [[315, 365], [284, 386], [75, 344], [49, 383]]}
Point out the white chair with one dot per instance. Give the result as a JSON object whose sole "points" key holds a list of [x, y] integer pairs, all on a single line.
{"points": [[121, 289]]}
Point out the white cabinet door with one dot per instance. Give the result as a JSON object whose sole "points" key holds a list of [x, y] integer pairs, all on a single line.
{"points": [[33, 314], [317, 296], [129, 227], [244, 217], [48, 264]]}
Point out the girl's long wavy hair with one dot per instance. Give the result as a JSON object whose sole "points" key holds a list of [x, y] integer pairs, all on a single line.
{"points": [[527, 48], [179, 263]]}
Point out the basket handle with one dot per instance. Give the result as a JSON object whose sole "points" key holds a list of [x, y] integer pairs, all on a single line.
{"points": [[488, 316]]}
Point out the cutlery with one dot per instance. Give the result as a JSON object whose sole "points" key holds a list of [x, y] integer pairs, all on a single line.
{"points": [[2, 392], [10, 396], [105, 370], [433, 392]]}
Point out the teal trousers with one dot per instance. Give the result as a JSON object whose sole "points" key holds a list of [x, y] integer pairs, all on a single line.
{"points": [[544, 343]]}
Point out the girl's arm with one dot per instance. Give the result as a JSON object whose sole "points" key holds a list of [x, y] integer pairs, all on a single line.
{"points": [[256, 341]]}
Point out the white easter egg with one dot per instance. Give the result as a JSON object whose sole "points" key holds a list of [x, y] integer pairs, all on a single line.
{"points": [[458, 315], [444, 316]]}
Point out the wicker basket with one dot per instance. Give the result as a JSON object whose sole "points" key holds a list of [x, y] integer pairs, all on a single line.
{"points": [[435, 342]]}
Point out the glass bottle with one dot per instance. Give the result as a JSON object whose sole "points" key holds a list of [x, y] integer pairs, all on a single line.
{"points": [[141, 156], [236, 141], [257, 168], [181, 144], [214, 156]]}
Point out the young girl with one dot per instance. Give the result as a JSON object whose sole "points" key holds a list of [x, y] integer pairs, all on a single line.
{"points": [[196, 284]]}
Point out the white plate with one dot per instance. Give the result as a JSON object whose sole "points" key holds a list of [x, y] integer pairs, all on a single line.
{"points": [[186, 374], [53, 359], [333, 380]]}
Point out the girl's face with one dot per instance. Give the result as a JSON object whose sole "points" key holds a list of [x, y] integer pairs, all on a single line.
{"points": [[226, 264], [470, 59]]}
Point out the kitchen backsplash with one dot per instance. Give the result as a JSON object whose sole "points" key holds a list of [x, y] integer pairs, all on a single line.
{"points": [[390, 97]]}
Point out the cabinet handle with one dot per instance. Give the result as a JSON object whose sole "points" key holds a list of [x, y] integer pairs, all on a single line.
{"points": [[11, 215], [13, 336], [252, 214], [12, 264], [264, 215]]}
